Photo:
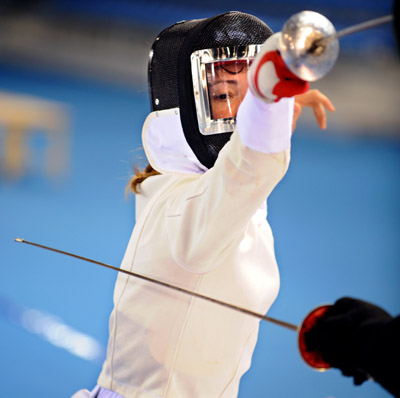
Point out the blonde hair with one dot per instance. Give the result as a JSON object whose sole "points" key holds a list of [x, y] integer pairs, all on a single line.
{"points": [[139, 177]]}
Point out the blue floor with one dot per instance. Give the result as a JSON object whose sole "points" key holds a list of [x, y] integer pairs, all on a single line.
{"points": [[335, 217]]}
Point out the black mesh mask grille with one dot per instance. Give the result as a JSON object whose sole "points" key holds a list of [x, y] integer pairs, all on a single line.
{"points": [[170, 79], [163, 65]]}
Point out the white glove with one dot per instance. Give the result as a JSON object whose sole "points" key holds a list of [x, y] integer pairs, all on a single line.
{"points": [[269, 78]]}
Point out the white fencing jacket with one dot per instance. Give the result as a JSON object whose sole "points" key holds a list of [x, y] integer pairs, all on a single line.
{"points": [[202, 230]]}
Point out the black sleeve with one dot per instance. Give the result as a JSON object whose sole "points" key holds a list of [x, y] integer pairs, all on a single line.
{"points": [[379, 352]]}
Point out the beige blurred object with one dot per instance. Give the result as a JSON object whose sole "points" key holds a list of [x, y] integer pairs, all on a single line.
{"points": [[20, 117]]}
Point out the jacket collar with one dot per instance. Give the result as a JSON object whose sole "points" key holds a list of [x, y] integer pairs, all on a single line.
{"points": [[165, 144]]}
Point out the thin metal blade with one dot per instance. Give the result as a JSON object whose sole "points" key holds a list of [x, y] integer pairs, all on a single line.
{"points": [[169, 286], [372, 23]]}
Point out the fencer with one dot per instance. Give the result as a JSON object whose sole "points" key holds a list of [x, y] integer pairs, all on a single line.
{"points": [[218, 142]]}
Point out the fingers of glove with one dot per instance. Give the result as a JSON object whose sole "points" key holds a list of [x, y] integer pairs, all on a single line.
{"points": [[262, 87], [358, 375], [269, 77], [264, 78], [360, 311], [289, 84], [290, 88], [272, 80]]}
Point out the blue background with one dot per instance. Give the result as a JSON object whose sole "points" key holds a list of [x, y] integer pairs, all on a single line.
{"points": [[335, 219]]}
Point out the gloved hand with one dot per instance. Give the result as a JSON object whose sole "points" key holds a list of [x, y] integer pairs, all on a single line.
{"points": [[342, 333], [269, 78]]}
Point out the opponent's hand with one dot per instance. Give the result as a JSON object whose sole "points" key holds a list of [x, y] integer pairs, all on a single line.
{"points": [[269, 78], [339, 335], [317, 101]]}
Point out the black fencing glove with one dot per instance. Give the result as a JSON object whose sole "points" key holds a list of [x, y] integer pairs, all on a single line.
{"points": [[345, 336]]}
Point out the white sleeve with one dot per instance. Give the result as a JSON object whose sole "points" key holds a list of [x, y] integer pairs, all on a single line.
{"points": [[206, 216], [265, 127]]}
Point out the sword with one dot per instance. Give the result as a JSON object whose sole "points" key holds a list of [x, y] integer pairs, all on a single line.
{"points": [[311, 358], [372, 23], [284, 324]]}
